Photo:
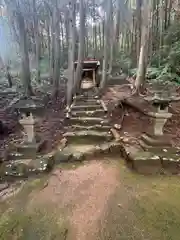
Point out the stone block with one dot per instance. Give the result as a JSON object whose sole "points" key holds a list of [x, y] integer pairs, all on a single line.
{"points": [[29, 149], [88, 121], [78, 156], [86, 107], [15, 170], [156, 140], [145, 162], [62, 156], [92, 113], [171, 163], [42, 163], [87, 136]]}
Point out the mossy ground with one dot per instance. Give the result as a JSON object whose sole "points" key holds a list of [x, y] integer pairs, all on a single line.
{"points": [[142, 207], [18, 221]]}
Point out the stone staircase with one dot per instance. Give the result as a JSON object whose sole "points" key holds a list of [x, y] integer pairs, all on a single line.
{"points": [[87, 121], [88, 131]]}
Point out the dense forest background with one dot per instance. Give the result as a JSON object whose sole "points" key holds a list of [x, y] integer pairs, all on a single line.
{"points": [[39, 39]]}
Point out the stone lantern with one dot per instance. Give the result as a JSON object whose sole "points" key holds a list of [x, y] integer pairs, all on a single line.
{"points": [[157, 138], [30, 110], [161, 115]]}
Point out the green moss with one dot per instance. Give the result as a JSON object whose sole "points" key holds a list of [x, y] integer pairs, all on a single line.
{"points": [[70, 165], [39, 224], [142, 208]]}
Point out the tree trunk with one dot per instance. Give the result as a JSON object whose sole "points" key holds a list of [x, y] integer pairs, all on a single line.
{"points": [[112, 40], [9, 77], [106, 45], [177, 12], [49, 44], [62, 38], [169, 12], [117, 27], [103, 32], [71, 51], [100, 37], [141, 70], [52, 49], [166, 15], [37, 40], [56, 50], [142, 64], [25, 74], [67, 26], [94, 30], [81, 47], [138, 28]]}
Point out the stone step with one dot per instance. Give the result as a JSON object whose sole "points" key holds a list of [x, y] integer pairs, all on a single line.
{"points": [[27, 150], [27, 167], [77, 152], [84, 101], [87, 136], [86, 107], [171, 162], [157, 137], [155, 140], [96, 113], [154, 160], [88, 121], [89, 96], [156, 149], [12, 156], [145, 162], [96, 127]]}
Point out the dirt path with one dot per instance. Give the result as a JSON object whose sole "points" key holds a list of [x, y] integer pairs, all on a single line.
{"points": [[84, 192]]}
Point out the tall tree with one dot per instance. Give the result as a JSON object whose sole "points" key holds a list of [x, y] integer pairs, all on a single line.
{"points": [[37, 39], [138, 24], [106, 44], [56, 21], [81, 46], [71, 49], [16, 10], [117, 25], [142, 64], [112, 40]]}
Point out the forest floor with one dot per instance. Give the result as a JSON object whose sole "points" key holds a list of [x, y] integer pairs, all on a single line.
{"points": [[133, 123], [99, 199]]}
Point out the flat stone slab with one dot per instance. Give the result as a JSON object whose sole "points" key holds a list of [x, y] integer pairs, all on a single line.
{"points": [[95, 127], [86, 101], [171, 162], [75, 152], [26, 167], [87, 121], [155, 148], [160, 160], [153, 140], [86, 107], [146, 162], [93, 113], [89, 135], [62, 156], [25, 150]]}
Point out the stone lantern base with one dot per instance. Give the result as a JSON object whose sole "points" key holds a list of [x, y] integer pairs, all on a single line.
{"points": [[149, 141], [25, 150], [31, 144]]}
